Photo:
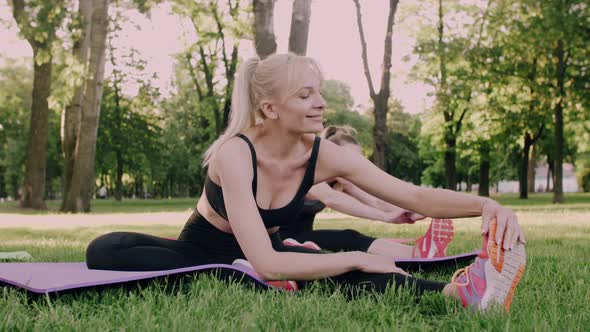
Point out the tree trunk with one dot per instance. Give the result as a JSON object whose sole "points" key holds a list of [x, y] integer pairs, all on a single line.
{"points": [[380, 100], [3, 192], [299, 26], [524, 166], [443, 100], [14, 184], [72, 113], [119, 179], [264, 36], [82, 185], [558, 116], [450, 159], [484, 171], [549, 174], [380, 132], [531, 170], [36, 160]]}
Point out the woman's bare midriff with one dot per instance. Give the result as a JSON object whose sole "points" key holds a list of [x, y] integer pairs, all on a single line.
{"points": [[205, 210]]}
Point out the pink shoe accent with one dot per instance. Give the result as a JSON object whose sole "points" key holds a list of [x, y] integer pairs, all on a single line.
{"points": [[288, 285], [307, 244], [435, 241]]}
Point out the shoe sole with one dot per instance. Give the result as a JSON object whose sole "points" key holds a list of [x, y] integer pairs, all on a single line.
{"points": [[440, 233], [504, 270]]}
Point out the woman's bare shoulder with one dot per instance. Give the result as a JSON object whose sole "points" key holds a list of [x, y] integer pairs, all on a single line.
{"points": [[233, 154]]}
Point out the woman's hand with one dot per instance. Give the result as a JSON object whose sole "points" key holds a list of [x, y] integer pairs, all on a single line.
{"points": [[376, 263], [401, 216], [508, 231]]}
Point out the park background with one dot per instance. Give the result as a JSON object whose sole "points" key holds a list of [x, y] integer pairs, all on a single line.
{"points": [[467, 95], [487, 97]]}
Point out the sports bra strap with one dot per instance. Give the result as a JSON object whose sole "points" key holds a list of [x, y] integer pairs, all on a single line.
{"points": [[310, 173], [253, 152]]}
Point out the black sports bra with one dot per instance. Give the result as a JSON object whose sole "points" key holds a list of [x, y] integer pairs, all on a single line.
{"points": [[271, 217]]}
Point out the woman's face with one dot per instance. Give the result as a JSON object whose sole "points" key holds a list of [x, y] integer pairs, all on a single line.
{"points": [[303, 111]]}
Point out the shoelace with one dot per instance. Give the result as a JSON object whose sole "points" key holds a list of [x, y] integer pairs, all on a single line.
{"points": [[458, 273]]}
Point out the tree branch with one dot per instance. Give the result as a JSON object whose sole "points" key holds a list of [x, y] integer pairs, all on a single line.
{"points": [[539, 132], [364, 49], [221, 35], [460, 121], [18, 12], [207, 71], [194, 78], [386, 74]]}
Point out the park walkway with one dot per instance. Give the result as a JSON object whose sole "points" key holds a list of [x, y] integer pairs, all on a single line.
{"points": [[70, 221]]}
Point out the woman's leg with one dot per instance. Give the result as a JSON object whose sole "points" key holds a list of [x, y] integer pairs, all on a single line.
{"points": [[378, 282], [127, 251], [351, 240], [357, 280], [386, 247], [432, 244], [337, 240]]}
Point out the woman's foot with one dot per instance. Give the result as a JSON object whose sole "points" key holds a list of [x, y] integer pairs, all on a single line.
{"points": [[493, 277], [436, 240]]}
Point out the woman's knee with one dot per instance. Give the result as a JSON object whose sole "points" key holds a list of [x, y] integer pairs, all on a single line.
{"points": [[103, 248]]}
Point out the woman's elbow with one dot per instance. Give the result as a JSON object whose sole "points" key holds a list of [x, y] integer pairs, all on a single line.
{"points": [[268, 268]]}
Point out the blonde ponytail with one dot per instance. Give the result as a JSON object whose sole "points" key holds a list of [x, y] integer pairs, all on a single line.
{"points": [[242, 115]]}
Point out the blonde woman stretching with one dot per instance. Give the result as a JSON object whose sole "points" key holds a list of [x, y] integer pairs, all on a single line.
{"points": [[259, 172]]}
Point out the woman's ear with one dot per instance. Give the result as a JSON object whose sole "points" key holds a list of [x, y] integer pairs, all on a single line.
{"points": [[268, 110]]}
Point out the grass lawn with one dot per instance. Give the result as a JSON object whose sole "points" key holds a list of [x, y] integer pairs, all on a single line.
{"points": [[111, 206], [537, 201], [553, 294]]}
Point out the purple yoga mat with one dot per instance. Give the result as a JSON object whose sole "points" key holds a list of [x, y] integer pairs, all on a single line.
{"points": [[54, 277], [42, 278], [438, 259]]}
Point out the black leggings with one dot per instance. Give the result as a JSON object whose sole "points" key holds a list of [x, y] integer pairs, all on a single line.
{"points": [[333, 240], [202, 243]]}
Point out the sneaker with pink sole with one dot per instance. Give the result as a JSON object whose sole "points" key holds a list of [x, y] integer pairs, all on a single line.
{"points": [[492, 279], [435, 241]]}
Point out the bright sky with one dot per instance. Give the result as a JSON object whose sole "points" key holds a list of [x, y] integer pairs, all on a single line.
{"points": [[333, 41]]}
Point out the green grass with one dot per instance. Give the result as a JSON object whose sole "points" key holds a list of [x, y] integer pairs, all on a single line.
{"points": [[537, 201], [553, 295], [100, 206]]}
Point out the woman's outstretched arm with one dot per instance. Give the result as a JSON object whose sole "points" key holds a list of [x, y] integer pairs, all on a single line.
{"points": [[344, 203], [335, 161], [403, 215], [347, 204], [232, 161]]}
